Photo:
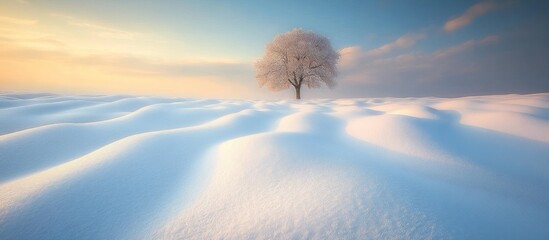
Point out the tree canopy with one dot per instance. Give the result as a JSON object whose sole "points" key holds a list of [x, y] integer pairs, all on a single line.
{"points": [[297, 58]]}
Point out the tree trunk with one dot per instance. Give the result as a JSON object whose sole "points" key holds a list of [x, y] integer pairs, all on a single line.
{"points": [[298, 92]]}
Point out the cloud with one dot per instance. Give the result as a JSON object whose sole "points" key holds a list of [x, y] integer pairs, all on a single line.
{"points": [[404, 74], [27, 33], [16, 21], [59, 69], [354, 57], [142, 65], [465, 46], [402, 42], [128, 64], [99, 29], [473, 12], [40, 42], [106, 32], [350, 56]]}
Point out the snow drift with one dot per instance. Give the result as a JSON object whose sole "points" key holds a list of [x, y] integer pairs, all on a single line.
{"points": [[119, 167]]}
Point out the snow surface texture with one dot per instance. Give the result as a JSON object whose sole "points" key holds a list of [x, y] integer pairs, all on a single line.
{"points": [[116, 167]]}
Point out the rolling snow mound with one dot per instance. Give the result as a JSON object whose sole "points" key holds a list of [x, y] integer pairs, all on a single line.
{"points": [[124, 167]]}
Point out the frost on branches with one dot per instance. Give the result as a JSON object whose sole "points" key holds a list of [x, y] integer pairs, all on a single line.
{"points": [[297, 58]]}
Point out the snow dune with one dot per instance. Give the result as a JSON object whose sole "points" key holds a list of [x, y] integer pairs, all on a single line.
{"points": [[122, 167]]}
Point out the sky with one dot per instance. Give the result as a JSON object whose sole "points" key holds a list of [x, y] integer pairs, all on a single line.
{"points": [[208, 49]]}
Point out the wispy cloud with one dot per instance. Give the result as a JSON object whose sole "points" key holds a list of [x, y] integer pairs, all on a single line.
{"points": [[465, 46], [16, 21], [354, 54], [127, 64], [402, 42], [28, 35], [350, 56], [107, 32], [35, 42], [121, 73], [357, 69], [99, 29], [466, 18], [144, 65]]}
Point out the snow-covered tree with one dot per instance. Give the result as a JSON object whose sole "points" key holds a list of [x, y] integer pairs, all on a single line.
{"points": [[297, 58]]}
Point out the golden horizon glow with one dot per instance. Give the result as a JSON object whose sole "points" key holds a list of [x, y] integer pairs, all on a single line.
{"points": [[56, 52]]}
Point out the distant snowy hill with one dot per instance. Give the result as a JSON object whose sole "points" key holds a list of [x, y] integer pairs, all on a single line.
{"points": [[119, 167]]}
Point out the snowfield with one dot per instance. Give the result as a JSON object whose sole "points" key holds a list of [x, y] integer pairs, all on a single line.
{"points": [[119, 167]]}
